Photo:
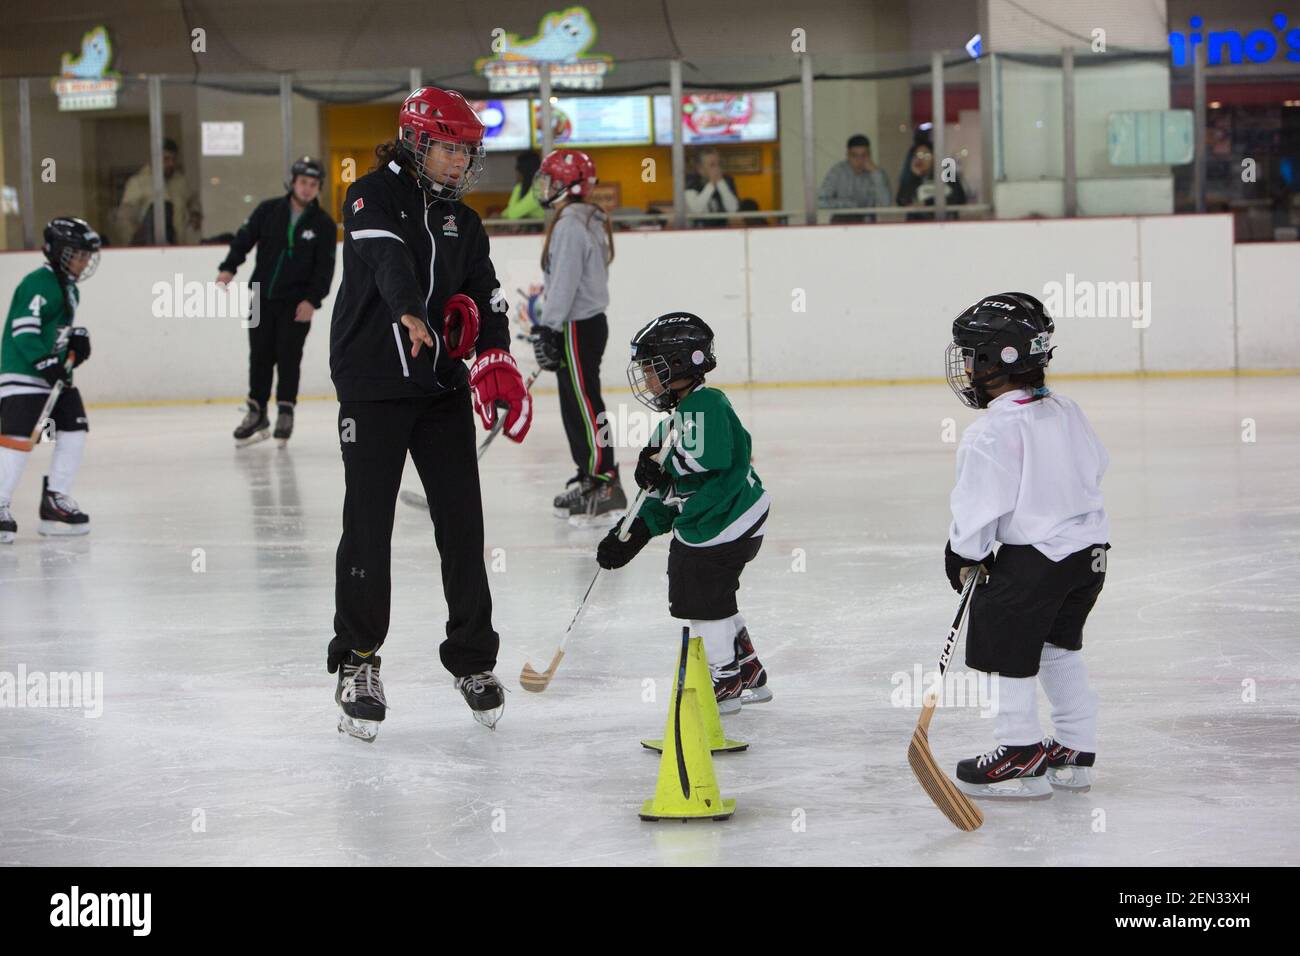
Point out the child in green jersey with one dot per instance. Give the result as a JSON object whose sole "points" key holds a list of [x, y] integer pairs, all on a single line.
{"points": [[705, 492], [37, 340]]}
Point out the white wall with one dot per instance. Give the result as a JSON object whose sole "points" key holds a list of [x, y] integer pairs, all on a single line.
{"points": [[879, 301]]}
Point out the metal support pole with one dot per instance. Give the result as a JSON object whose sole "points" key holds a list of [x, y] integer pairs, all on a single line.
{"points": [[679, 147], [416, 79], [1070, 170], [1198, 114], [809, 151], [159, 185], [286, 123], [544, 91], [28, 197], [937, 113]]}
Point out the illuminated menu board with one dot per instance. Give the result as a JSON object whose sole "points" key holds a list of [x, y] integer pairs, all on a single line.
{"points": [[719, 118]]}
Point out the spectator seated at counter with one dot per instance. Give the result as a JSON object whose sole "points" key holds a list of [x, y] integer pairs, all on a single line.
{"points": [[856, 182], [917, 185], [708, 189], [183, 217]]}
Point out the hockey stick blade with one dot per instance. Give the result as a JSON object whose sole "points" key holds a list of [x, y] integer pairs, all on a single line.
{"points": [[955, 805], [414, 500], [532, 681]]}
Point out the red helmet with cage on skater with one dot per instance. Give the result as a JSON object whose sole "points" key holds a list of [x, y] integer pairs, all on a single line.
{"points": [[441, 138], [564, 174]]}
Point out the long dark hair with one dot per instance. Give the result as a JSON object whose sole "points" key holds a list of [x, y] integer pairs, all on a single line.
{"points": [[595, 211], [527, 163], [389, 152]]}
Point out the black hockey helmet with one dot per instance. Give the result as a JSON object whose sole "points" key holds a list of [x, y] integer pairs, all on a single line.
{"points": [[67, 236], [1005, 334], [673, 346], [306, 166]]}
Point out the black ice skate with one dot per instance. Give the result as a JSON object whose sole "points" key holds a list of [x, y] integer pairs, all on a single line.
{"points": [[60, 514], [728, 686], [485, 696], [1007, 772], [8, 526], [753, 675], [601, 504], [254, 428], [567, 500], [1069, 769], [284, 423], [360, 696]]}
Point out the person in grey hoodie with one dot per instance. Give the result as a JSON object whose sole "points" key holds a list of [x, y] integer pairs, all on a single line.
{"points": [[570, 329], [855, 182]]}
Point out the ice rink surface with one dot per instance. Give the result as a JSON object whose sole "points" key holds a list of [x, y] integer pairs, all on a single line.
{"points": [[217, 741]]}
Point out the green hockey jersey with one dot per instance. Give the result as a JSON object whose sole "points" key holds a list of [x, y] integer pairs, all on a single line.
{"points": [[40, 316], [715, 496]]}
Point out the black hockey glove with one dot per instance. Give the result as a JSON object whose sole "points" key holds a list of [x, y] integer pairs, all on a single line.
{"points": [[548, 348], [649, 473], [50, 368], [612, 553], [954, 563], [79, 344]]}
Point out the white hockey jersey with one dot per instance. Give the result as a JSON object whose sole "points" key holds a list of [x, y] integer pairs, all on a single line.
{"points": [[1029, 472]]}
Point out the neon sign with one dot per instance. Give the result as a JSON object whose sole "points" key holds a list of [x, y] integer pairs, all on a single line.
{"points": [[1231, 46]]}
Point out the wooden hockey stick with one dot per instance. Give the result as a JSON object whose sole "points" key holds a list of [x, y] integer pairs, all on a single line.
{"points": [[417, 500], [956, 806], [529, 679], [19, 444]]}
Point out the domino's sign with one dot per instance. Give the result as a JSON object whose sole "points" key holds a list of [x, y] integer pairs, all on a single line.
{"points": [[1232, 46]]}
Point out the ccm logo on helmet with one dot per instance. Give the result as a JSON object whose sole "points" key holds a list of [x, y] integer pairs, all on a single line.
{"points": [[998, 305]]}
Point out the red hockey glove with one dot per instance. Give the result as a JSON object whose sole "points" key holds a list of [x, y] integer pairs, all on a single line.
{"points": [[460, 325], [494, 378]]}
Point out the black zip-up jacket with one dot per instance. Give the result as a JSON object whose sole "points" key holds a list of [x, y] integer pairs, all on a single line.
{"points": [[406, 254], [292, 271]]}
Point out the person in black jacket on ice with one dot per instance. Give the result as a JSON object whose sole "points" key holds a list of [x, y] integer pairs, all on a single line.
{"points": [[419, 294], [295, 241]]}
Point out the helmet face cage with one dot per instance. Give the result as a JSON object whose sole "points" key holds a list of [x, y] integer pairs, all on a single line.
{"points": [[960, 365], [418, 146], [641, 372], [66, 254]]}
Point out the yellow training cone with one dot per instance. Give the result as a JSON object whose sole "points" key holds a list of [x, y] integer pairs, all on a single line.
{"points": [[700, 680], [686, 788]]}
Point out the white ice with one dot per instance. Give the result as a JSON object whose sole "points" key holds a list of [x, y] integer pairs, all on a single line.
{"points": [[217, 740]]}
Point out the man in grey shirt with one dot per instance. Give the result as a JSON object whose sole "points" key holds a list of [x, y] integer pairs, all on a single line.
{"points": [[855, 182]]}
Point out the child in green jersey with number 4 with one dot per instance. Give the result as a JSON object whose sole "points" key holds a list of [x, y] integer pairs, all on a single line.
{"points": [[705, 492]]}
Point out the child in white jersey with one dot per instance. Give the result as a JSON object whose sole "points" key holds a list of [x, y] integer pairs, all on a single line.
{"points": [[1028, 478]]}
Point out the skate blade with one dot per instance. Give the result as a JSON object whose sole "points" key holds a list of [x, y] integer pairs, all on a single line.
{"points": [[253, 439], [1023, 788], [755, 695], [731, 706], [7, 537], [366, 730], [489, 718], [282, 443], [1073, 779], [58, 529]]}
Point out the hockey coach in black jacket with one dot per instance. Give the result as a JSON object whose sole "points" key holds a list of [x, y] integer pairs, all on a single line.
{"points": [[295, 242], [419, 294]]}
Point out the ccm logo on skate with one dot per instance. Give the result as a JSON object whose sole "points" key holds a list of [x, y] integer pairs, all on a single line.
{"points": [[77, 909]]}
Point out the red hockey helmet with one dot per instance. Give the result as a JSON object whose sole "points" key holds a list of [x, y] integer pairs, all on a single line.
{"points": [[564, 173], [443, 139]]}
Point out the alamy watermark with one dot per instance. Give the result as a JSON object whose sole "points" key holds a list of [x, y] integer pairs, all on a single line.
{"points": [[978, 689], [210, 299], [71, 690], [1083, 299]]}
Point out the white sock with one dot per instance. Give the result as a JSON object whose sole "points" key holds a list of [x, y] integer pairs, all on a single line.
{"points": [[1016, 722], [12, 463], [1074, 703], [68, 449], [719, 640], [737, 624]]}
